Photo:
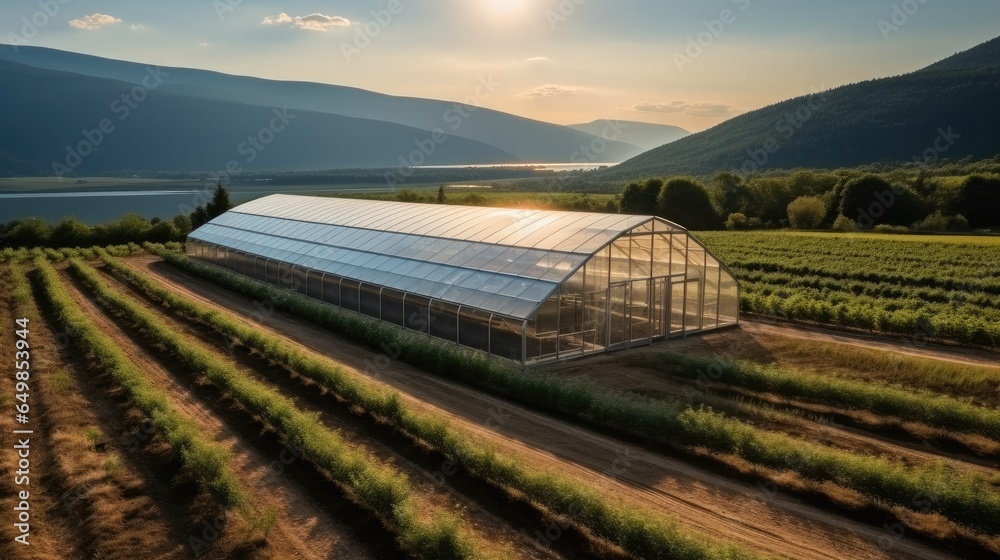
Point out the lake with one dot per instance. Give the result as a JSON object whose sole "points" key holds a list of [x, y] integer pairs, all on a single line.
{"points": [[101, 205]]}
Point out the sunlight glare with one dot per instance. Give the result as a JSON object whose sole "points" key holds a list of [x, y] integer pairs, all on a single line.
{"points": [[504, 9]]}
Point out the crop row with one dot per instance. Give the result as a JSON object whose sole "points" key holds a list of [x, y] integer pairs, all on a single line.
{"points": [[940, 411], [57, 255], [377, 487], [966, 500], [918, 324], [206, 461], [640, 533]]}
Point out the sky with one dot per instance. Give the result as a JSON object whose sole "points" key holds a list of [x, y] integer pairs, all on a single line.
{"points": [[688, 63]]}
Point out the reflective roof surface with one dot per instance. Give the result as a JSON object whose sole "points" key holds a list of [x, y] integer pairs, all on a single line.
{"points": [[496, 259]]}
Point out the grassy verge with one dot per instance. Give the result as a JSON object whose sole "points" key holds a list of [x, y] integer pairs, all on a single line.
{"points": [[641, 533], [940, 411], [377, 487], [978, 383], [207, 462], [964, 499]]}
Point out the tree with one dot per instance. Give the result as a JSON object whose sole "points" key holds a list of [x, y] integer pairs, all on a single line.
{"points": [[441, 194], [683, 200], [220, 203], [71, 232], [871, 200], [729, 194], [640, 199], [31, 232], [979, 201], [182, 222], [199, 217], [806, 212]]}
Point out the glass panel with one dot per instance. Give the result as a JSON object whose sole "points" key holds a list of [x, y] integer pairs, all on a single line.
{"points": [[474, 329], [349, 296], [620, 260], [392, 307], [370, 300], [692, 307], [677, 308], [617, 317], [505, 338], [639, 311], [710, 312], [642, 256], [314, 283], [661, 255], [444, 320]]}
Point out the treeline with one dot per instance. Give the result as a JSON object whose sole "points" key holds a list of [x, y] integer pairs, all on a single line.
{"points": [[845, 200], [132, 228]]}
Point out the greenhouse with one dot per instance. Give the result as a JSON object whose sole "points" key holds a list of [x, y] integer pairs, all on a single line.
{"points": [[528, 285]]}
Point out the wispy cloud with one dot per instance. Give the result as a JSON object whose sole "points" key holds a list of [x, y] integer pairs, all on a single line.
{"points": [[551, 90], [138, 27], [311, 22], [536, 59], [94, 21], [686, 107]]}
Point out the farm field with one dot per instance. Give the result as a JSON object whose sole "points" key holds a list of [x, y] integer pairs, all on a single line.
{"points": [[915, 287], [316, 432]]}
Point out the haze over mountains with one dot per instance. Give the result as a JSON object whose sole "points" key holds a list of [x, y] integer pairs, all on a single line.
{"points": [[196, 119], [949, 109]]}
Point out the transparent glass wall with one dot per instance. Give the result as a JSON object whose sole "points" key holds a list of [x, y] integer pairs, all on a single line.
{"points": [[651, 283]]}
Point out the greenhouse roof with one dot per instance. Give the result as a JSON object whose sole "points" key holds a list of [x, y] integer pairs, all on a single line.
{"points": [[495, 259]]}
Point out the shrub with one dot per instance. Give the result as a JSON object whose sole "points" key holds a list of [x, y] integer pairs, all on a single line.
{"points": [[640, 199], [806, 212], [939, 222], [979, 201], [843, 223], [737, 221]]}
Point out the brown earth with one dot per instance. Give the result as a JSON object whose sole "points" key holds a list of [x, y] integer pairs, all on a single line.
{"points": [[304, 527], [700, 498]]}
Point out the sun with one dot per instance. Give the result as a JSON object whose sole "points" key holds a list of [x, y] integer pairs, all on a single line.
{"points": [[504, 9]]}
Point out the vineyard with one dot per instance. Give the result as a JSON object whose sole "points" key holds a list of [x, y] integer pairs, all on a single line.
{"points": [[186, 411], [918, 287]]}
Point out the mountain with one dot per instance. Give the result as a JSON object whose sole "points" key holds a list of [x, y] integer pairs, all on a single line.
{"points": [[526, 139], [946, 110], [645, 135], [51, 117]]}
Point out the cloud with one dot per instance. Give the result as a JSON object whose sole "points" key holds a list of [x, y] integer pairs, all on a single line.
{"points": [[681, 106], [551, 90], [94, 21], [138, 27], [311, 22], [535, 59]]}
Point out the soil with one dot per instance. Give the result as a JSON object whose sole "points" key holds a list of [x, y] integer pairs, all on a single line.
{"points": [[699, 497]]}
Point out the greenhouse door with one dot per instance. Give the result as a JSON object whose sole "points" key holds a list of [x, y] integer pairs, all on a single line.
{"points": [[633, 312]]}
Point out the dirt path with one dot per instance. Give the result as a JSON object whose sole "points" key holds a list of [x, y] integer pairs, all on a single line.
{"points": [[424, 470], [719, 506], [911, 346], [303, 528]]}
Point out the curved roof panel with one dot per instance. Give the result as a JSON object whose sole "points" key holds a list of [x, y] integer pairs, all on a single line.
{"points": [[496, 259]]}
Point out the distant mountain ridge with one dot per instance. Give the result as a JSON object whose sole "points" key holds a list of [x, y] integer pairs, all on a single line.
{"points": [[645, 135], [946, 110], [526, 140], [57, 123]]}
